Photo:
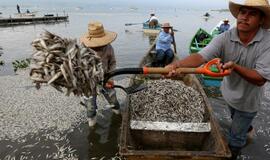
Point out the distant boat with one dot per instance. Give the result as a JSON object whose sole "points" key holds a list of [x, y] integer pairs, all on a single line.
{"points": [[148, 30], [133, 8], [78, 8], [0, 12], [199, 40], [215, 31]]}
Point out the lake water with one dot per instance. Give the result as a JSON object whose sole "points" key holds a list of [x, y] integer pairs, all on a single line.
{"points": [[130, 46], [131, 43]]}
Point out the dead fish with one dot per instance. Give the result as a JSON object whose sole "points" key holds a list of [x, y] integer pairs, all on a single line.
{"points": [[57, 75]]}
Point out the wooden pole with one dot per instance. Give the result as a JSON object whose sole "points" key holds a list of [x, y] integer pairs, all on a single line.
{"points": [[174, 44]]}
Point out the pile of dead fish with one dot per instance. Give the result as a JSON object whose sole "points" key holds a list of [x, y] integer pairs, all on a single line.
{"points": [[167, 101], [65, 65]]}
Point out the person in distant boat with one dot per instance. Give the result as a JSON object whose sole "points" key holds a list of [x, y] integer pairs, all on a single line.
{"points": [[245, 52], [99, 40], [164, 53], [27, 11], [18, 9], [206, 14], [224, 26], [153, 21]]}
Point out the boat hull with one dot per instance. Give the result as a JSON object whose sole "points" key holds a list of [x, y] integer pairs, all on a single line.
{"points": [[148, 30], [136, 143]]}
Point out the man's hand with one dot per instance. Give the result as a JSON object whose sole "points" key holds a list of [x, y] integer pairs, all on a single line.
{"points": [[109, 84], [229, 65], [172, 67], [172, 33]]}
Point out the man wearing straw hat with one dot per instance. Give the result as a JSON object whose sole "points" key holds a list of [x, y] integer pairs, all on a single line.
{"points": [[99, 40], [224, 26], [245, 50], [164, 53]]}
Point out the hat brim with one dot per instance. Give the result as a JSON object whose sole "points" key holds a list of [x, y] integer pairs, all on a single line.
{"points": [[234, 9], [100, 41]]}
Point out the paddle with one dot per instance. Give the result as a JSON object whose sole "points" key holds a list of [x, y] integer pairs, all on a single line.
{"points": [[174, 44], [129, 24], [206, 70]]}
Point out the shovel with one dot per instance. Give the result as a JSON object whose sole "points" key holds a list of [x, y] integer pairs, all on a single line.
{"points": [[206, 70]]}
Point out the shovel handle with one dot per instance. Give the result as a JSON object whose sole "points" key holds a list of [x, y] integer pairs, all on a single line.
{"points": [[161, 70], [201, 70]]}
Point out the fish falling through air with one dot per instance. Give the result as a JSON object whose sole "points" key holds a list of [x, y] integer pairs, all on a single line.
{"points": [[65, 65]]}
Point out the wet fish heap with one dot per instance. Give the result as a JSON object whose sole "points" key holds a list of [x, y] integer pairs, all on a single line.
{"points": [[62, 63], [167, 101]]}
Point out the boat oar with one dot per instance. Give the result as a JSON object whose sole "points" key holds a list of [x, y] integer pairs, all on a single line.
{"points": [[206, 70], [129, 24], [174, 44]]}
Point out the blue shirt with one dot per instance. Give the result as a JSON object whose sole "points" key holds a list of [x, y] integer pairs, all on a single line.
{"points": [[164, 41], [224, 27]]}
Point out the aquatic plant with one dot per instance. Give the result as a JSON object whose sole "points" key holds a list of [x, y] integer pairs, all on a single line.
{"points": [[20, 64]]}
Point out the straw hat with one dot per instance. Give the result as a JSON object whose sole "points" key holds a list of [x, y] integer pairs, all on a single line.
{"points": [[262, 5], [166, 25], [97, 36], [226, 20]]}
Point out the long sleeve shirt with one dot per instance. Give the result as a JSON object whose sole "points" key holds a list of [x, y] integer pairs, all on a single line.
{"points": [[164, 41]]}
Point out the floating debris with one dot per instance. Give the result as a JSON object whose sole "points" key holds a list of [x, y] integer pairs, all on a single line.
{"points": [[167, 101], [62, 63]]}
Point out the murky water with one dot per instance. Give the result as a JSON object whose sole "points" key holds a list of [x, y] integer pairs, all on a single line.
{"points": [[79, 141]]}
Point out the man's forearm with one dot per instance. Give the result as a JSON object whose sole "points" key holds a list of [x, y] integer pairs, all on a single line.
{"points": [[195, 60], [250, 75]]}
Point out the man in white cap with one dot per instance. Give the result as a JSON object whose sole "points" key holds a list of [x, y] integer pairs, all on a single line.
{"points": [[245, 50], [99, 40], [224, 26], [164, 53], [153, 21]]}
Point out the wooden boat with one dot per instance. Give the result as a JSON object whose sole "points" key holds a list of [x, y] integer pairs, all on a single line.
{"points": [[148, 30], [32, 20], [205, 143], [199, 41], [25, 15], [215, 31]]}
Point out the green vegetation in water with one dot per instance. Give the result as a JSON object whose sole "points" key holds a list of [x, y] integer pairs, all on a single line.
{"points": [[20, 64]]}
